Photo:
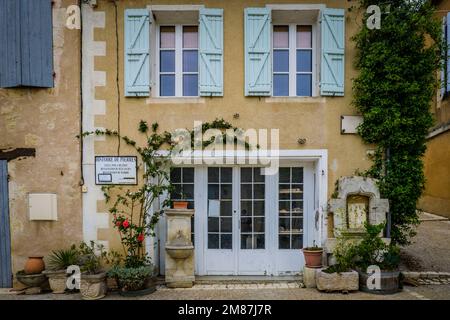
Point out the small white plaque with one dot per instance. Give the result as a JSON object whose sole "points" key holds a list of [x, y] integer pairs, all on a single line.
{"points": [[115, 170], [349, 124], [213, 208]]}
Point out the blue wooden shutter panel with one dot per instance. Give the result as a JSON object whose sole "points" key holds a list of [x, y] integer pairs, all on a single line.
{"points": [[258, 63], [448, 51], [137, 65], [5, 236], [26, 38], [333, 49], [211, 52]]}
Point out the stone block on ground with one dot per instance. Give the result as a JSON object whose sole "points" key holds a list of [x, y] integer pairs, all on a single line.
{"points": [[309, 276], [344, 281]]}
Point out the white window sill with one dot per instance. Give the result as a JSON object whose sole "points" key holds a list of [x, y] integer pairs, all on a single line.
{"points": [[174, 100], [296, 100]]}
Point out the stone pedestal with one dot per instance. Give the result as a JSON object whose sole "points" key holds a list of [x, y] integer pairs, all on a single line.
{"points": [[179, 261], [309, 276]]}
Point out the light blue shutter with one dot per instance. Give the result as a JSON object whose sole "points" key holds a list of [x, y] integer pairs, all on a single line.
{"points": [[333, 48], [137, 66], [211, 52], [448, 51], [258, 66]]}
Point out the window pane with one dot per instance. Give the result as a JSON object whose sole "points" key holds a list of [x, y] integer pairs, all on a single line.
{"points": [[304, 85], [213, 224], [284, 242], [258, 208], [280, 61], [190, 37], [246, 225], [297, 241], [225, 208], [175, 175], [167, 85], [304, 38], [190, 61], [246, 241], [226, 174], [226, 241], [213, 241], [213, 175], [285, 174], [246, 208], [297, 175], [281, 85], [213, 191], [246, 191], [304, 60], [167, 37], [188, 190], [167, 61], [246, 174], [188, 175], [258, 191], [226, 224], [259, 239], [281, 36], [259, 225], [226, 191], [259, 177], [190, 85]]}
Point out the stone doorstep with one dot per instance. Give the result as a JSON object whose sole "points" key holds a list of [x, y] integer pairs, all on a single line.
{"points": [[243, 286], [10, 291]]}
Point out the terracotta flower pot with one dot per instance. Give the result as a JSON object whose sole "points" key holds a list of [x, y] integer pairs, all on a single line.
{"points": [[180, 204], [313, 258], [34, 265]]}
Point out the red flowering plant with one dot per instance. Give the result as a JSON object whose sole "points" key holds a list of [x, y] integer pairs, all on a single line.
{"points": [[131, 207]]}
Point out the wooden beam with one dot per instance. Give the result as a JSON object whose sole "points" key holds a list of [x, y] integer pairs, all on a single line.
{"points": [[11, 154]]}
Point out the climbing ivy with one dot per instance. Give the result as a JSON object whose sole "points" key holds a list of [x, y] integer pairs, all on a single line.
{"points": [[396, 83]]}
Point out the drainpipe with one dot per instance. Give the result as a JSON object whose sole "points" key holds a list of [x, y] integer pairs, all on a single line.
{"points": [[388, 218], [81, 94]]}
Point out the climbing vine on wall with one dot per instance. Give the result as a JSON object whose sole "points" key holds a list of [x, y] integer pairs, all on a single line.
{"points": [[397, 80]]}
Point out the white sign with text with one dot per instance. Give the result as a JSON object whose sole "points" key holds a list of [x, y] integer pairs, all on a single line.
{"points": [[115, 170]]}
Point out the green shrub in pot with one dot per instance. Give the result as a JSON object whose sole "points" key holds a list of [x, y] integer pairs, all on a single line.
{"points": [[57, 263]]}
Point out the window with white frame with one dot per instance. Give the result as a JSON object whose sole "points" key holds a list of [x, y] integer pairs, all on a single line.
{"points": [[293, 60], [178, 61]]}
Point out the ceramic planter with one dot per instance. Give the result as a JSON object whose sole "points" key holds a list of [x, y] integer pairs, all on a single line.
{"points": [[34, 265], [180, 204], [344, 281], [389, 282], [57, 280], [31, 280], [149, 287], [313, 258], [93, 286]]}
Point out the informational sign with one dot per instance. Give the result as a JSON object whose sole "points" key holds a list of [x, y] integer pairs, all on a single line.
{"points": [[115, 170]]}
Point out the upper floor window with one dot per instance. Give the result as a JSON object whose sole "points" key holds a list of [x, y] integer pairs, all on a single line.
{"points": [[292, 60], [178, 61]]}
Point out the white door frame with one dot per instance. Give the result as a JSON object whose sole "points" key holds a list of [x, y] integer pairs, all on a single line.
{"points": [[318, 158]]}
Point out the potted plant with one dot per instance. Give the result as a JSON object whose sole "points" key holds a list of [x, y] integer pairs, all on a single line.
{"points": [[58, 262], [180, 204], [340, 276], [313, 256], [373, 252], [93, 278], [132, 209]]}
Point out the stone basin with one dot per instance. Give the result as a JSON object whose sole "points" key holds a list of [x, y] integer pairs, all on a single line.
{"points": [[179, 252]]}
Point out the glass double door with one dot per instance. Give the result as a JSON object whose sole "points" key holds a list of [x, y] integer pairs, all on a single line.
{"points": [[236, 235]]}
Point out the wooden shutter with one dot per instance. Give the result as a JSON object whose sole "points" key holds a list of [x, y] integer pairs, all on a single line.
{"points": [[26, 43], [137, 50], [258, 66], [333, 49], [5, 237], [211, 52]]}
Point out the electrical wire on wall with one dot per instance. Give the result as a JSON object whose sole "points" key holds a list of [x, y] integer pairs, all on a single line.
{"points": [[117, 75]]}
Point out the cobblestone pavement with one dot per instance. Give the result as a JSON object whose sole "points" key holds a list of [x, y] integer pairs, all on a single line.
{"points": [[429, 250], [253, 292]]}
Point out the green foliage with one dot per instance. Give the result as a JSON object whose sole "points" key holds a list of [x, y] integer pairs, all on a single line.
{"points": [[372, 250], [91, 257], [63, 258], [394, 88], [130, 279], [344, 253]]}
